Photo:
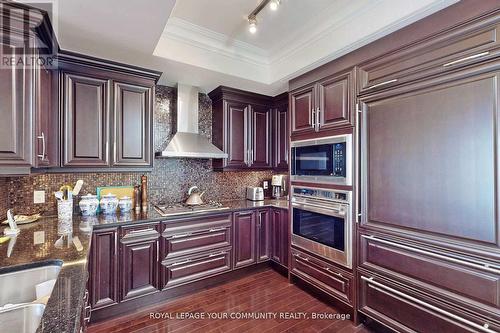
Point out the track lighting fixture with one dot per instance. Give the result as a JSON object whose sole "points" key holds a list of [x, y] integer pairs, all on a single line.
{"points": [[252, 24], [252, 18], [274, 4]]}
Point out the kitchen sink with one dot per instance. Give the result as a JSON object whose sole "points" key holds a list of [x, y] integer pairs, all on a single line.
{"points": [[21, 319], [19, 286]]}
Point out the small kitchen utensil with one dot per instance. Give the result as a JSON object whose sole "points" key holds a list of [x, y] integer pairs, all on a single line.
{"points": [[194, 196], [59, 195], [12, 229], [78, 187], [59, 243]]}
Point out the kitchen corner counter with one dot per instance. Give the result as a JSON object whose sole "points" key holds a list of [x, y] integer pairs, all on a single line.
{"points": [[35, 245]]}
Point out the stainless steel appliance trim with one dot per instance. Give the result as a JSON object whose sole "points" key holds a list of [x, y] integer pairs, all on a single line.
{"points": [[341, 257], [347, 180], [331, 211], [318, 119], [372, 281], [477, 264]]}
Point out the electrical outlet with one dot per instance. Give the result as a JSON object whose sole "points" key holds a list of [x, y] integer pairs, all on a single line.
{"points": [[39, 197]]}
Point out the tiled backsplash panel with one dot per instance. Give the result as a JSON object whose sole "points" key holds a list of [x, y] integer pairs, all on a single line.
{"points": [[168, 181]]}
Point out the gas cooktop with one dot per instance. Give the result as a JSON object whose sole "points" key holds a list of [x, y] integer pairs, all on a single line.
{"points": [[181, 209]]}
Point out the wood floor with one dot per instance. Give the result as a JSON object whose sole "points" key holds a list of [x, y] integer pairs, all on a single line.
{"points": [[262, 292]]}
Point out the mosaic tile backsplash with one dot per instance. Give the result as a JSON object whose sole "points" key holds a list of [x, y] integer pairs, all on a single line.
{"points": [[168, 181]]}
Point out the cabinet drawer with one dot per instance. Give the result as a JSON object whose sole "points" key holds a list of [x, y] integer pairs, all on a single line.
{"points": [[189, 269], [197, 237], [460, 276], [404, 310], [447, 51], [322, 275]]}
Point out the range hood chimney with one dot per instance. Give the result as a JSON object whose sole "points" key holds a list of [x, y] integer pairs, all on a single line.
{"points": [[186, 141]]}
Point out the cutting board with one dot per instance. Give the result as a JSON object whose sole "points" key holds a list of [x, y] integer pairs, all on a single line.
{"points": [[119, 191]]}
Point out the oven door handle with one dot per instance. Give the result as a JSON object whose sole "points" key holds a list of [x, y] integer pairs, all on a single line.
{"points": [[322, 210]]}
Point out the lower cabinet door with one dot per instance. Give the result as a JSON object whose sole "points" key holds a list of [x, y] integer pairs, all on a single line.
{"points": [[323, 276], [279, 231], [103, 268], [139, 267], [180, 271], [405, 310], [245, 252], [263, 235]]}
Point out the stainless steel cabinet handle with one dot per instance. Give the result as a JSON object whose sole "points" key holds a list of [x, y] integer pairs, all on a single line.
{"points": [[299, 257], [454, 62], [382, 84], [88, 314], [217, 254], [42, 155], [313, 119], [217, 229], [187, 234], [179, 263], [141, 231], [318, 119], [479, 265], [483, 328]]}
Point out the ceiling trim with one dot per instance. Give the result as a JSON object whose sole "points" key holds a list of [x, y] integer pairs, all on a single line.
{"points": [[198, 36], [298, 53]]}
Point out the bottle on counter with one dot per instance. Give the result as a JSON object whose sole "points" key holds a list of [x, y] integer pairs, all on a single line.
{"points": [[137, 198], [144, 193]]}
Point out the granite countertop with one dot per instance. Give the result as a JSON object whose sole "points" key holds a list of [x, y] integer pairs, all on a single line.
{"points": [[35, 245]]}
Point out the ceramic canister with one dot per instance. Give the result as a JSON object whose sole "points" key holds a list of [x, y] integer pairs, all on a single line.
{"points": [[125, 204], [88, 205], [109, 202]]}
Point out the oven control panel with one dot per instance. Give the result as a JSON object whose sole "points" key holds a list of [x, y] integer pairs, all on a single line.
{"points": [[320, 193], [339, 159]]}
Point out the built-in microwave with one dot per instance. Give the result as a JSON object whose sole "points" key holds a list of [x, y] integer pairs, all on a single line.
{"points": [[325, 160]]}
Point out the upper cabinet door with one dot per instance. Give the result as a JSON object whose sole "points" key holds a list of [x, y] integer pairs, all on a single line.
{"points": [[430, 159], [302, 106], [281, 137], [237, 134], [86, 118], [15, 115], [132, 125], [334, 102], [260, 138]]}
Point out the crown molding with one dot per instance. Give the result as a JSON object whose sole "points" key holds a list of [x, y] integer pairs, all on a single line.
{"points": [[197, 36], [301, 51]]}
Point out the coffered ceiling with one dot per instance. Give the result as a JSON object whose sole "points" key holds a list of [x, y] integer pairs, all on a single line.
{"points": [[207, 43]]}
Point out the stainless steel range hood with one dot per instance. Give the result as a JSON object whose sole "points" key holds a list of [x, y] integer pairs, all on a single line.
{"points": [[187, 142]]}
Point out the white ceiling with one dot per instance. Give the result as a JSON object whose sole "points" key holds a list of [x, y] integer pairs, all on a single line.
{"points": [[206, 42]]}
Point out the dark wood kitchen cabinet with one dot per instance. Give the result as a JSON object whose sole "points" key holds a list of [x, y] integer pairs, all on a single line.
{"points": [[103, 267], [243, 126], [28, 131], [323, 106], [260, 137], [264, 240], [245, 238], [279, 230], [133, 113], [86, 105], [429, 160], [139, 260], [107, 113], [281, 133]]}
